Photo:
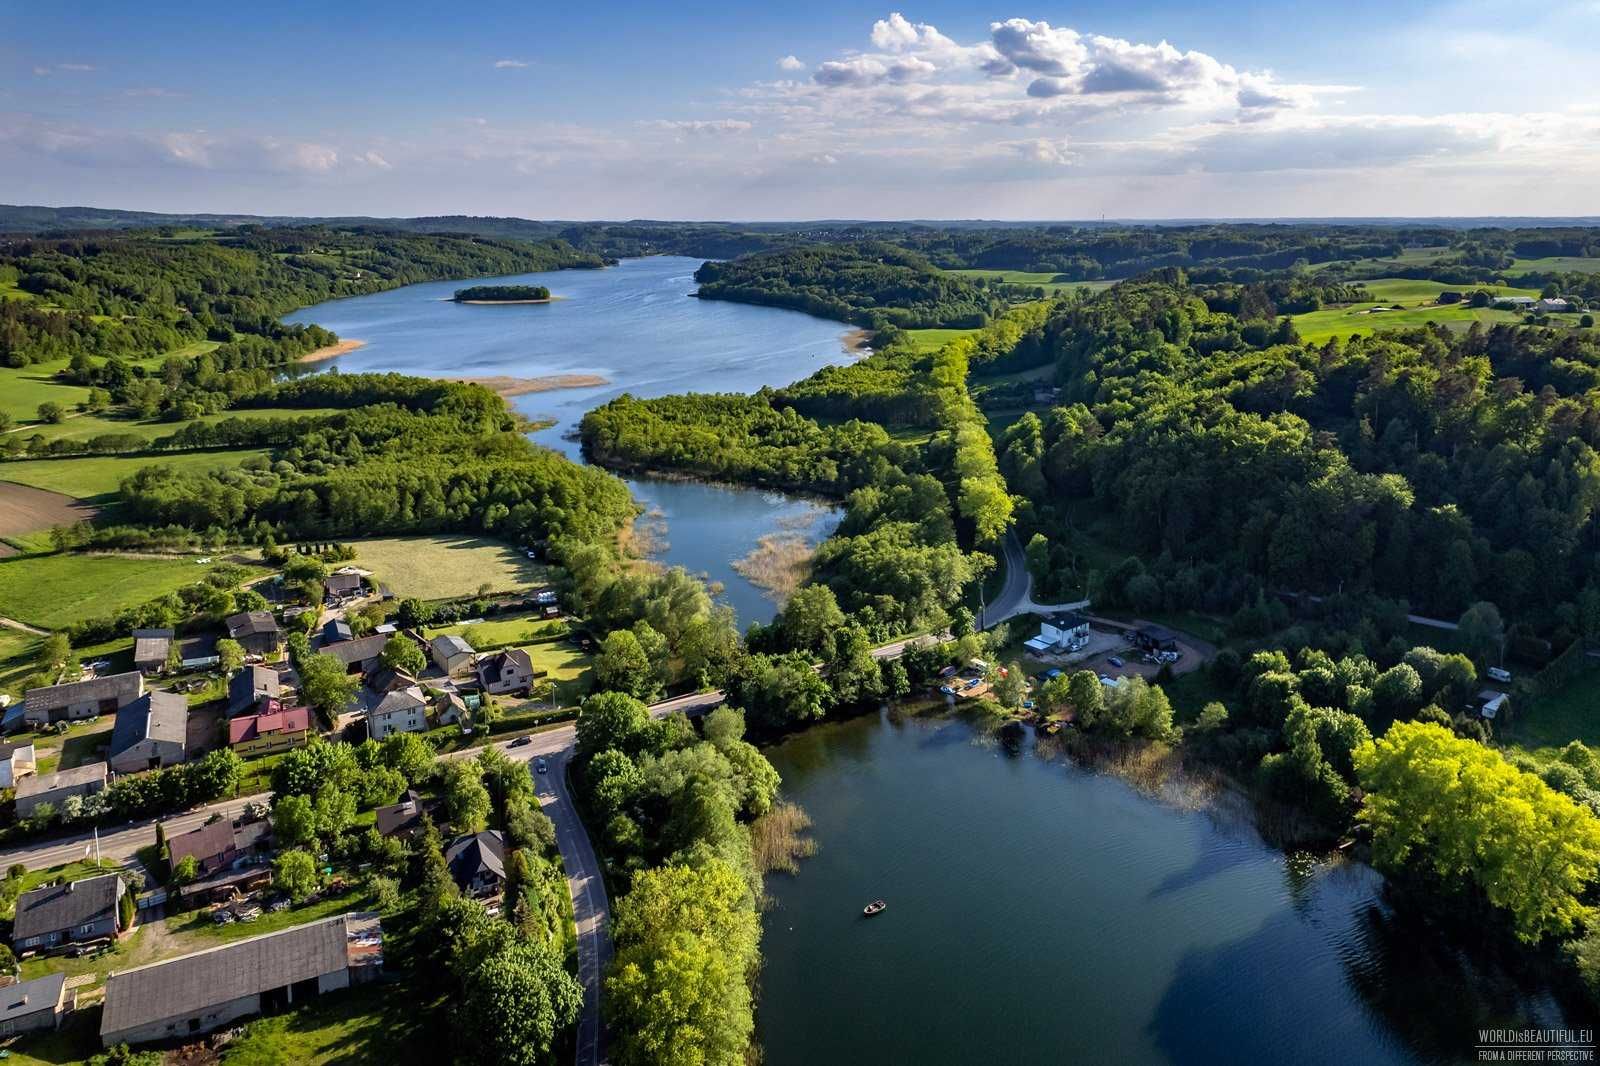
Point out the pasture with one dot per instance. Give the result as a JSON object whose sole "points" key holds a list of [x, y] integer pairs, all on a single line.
{"points": [[94, 476], [52, 591], [1044, 279], [448, 565], [1559, 264]]}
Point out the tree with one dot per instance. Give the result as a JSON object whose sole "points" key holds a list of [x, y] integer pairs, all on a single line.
{"points": [[409, 754], [612, 720], [413, 613], [623, 666], [1460, 809], [852, 672], [54, 654], [400, 652], [174, 660], [515, 1003], [326, 685], [466, 800], [52, 412], [1011, 688], [294, 821], [295, 872], [186, 871], [230, 655], [1483, 633], [780, 691], [809, 618]]}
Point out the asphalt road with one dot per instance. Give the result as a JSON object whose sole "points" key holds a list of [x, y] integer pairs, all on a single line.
{"points": [[1013, 595]]}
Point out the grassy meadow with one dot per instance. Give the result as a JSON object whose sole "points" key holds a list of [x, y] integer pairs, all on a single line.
{"points": [[447, 565], [98, 475], [52, 591]]}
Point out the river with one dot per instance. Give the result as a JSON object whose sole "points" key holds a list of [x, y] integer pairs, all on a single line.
{"points": [[1042, 913], [635, 326]]}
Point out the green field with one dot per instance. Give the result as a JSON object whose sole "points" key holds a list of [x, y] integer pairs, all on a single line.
{"points": [[931, 340], [447, 565], [98, 475], [504, 631], [1573, 713], [51, 591], [1416, 290], [1044, 279], [23, 389], [82, 426], [1560, 264]]}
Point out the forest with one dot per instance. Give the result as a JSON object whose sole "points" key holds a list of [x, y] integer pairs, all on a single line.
{"points": [[502, 294]]}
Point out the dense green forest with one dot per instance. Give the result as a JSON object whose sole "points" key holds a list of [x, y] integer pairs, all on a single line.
{"points": [[870, 284], [501, 294]]}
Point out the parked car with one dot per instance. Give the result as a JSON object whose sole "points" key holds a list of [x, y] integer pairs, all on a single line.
{"points": [[947, 690], [522, 742], [1115, 661]]}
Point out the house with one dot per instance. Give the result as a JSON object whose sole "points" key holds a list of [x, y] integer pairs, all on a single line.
{"points": [[358, 656], [336, 631], [451, 707], [150, 650], [342, 585], [197, 653], [82, 699], [478, 863], [256, 631], [16, 760], [1155, 638], [1512, 303], [219, 846], [33, 1005], [506, 671], [450, 654], [192, 994], [273, 728], [1061, 632], [402, 711], [402, 818], [1553, 304], [251, 685], [150, 732], [52, 915], [387, 679], [55, 788]]}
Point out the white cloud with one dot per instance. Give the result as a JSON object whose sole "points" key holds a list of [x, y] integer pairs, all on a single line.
{"points": [[152, 92], [791, 64], [510, 64], [63, 68], [700, 125]]}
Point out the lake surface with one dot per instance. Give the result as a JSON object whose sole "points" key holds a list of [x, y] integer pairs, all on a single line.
{"points": [[636, 326], [1042, 913]]}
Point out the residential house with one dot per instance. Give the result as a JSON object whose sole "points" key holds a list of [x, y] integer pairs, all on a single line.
{"points": [[198, 653], [358, 656], [56, 788], [336, 631], [184, 997], [251, 685], [256, 631], [451, 707], [82, 699], [451, 654], [29, 1006], [342, 585], [219, 846], [506, 671], [1553, 304], [150, 650], [403, 818], [478, 863], [151, 732], [402, 711], [52, 915], [1061, 632], [387, 679], [272, 729], [1155, 638], [16, 761]]}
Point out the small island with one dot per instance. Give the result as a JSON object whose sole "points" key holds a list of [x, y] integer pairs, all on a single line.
{"points": [[503, 294]]}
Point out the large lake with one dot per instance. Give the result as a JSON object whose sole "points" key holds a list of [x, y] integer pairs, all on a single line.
{"points": [[636, 326], [1042, 913]]}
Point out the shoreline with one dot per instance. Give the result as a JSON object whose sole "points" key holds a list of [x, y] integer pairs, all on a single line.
{"points": [[332, 351], [510, 386], [857, 341]]}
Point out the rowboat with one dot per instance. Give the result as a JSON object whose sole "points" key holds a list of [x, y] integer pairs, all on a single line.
{"points": [[877, 906]]}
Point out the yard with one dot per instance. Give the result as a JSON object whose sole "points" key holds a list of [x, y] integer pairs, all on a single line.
{"points": [[448, 565], [83, 742], [100, 475], [503, 631], [52, 591]]}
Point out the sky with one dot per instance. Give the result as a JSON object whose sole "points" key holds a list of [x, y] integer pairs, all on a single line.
{"points": [[1023, 110]]}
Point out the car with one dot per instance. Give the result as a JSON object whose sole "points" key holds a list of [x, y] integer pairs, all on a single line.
{"points": [[540, 766], [947, 690], [975, 682], [1027, 705], [1052, 673], [521, 742], [1115, 661]]}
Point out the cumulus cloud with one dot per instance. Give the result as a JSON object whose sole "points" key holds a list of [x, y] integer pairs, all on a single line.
{"points": [[510, 64], [181, 149], [791, 64]]}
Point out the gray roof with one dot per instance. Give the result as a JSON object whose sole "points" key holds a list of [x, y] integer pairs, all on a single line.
{"points": [[448, 644], [360, 650], [480, 851], [202, 647], [250, 684], [340, 583], [151, 645], [112, 686], [250, 623], [336, 630], [156, 715], [186, 986], [490, 667], [39, 784], [52, 907], [29, 997], [403, 699]]}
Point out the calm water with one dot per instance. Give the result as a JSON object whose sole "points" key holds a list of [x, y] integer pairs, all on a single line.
{"points": [[634, 325], [1040, 913]]}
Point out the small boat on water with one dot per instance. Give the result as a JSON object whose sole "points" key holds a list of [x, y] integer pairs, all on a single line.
{"points": [[877, 906]]}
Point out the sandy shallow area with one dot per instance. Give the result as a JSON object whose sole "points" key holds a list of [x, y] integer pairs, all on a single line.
{"points": [[332, 351], [509, 386]]}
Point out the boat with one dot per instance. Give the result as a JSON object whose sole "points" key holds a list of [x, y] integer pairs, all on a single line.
{"points": [[877, 906]]}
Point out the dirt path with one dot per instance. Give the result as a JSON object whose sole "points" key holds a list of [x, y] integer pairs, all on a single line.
{"points": [[12, 623]]}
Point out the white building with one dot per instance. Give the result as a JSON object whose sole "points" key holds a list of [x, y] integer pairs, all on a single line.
{"points": [[401, 711], [1061, 632]]}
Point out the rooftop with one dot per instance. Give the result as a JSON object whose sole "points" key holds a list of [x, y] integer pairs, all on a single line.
{"points": [[276, 719], [251, 623], [360, 650], [26, 997], [52, 907], [111, 686], [39, 784], [151, 645], [156, 715], [449, 644], [251, 684]]}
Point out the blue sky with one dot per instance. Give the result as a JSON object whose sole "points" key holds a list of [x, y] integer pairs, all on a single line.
{"points": [[939, 110]]}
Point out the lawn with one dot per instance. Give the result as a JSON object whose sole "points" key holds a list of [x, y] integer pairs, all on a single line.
{"points": [[448, 565], [23, 389], [1415, 290], [1573, 713], [99, 475], [503, 631], [567, 666], [931, 340], [1317, 326], [80, 744], [369, 1023], [52, 591], [17, 652]]}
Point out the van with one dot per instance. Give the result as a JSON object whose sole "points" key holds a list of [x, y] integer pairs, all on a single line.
{"points": [[1497, 674]]}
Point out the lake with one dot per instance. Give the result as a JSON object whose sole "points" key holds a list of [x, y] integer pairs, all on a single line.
{"points": [[636, 326], [1042, 913]]}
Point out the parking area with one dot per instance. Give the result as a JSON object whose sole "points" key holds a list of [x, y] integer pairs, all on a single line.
{"points": [[1110, 640]]}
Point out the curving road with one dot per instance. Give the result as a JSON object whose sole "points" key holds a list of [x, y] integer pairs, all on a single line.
{"points": [[1016, 595]]}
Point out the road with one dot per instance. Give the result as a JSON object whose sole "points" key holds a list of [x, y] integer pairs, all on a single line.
{"points": [[1016, 595]]}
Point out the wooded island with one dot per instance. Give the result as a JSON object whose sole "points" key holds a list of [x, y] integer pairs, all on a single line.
{"points": [[503, 294]]}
